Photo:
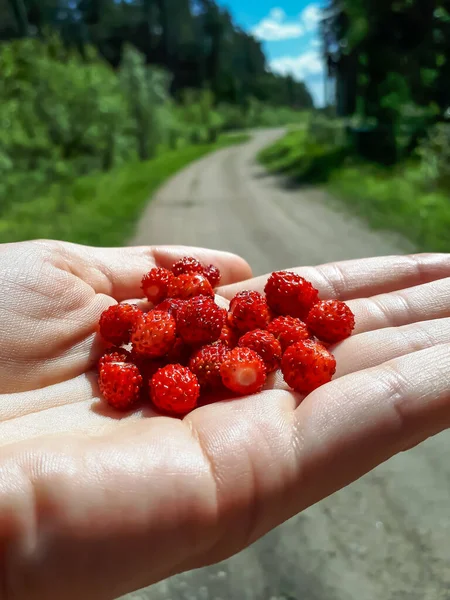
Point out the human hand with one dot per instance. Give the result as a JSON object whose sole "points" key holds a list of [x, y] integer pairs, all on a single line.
{"points": [[93, 504]]}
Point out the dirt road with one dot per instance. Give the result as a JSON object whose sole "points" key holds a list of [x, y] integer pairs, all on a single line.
{"points": [[386, 537]]}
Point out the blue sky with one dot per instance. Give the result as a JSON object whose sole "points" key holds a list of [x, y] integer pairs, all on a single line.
{"points": [[288, 30]]}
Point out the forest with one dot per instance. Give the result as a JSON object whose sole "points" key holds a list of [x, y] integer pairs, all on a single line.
{"points": [[384, 147], [90, 86]]}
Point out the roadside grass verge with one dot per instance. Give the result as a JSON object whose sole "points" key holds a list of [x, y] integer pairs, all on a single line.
{"points": [[100, 209], [395, 199]]}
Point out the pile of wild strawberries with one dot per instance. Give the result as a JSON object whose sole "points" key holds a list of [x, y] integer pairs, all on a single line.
{"points": [[188, 345]]}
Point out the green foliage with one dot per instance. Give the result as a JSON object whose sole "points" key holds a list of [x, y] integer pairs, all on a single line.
{"points": [[196, 41], [100, 209], [60, 116], [199, 117], [412, 198], [434, 152], [146, 91], [303, 156], [396, 200], [390, 59], [64, 115]]}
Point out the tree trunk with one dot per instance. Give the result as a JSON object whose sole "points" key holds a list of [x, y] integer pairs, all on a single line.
{"points": [[20, 14]]}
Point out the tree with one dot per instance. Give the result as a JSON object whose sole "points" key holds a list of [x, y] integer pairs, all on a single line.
{"points": [[198, 42], [20, 15]]}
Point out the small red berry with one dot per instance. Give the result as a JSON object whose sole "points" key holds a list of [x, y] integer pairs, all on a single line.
{"points": [[307, 365], [190, 265], [187, 265], [174, 389], [156, 283], [154, 334], [120, 384], [189, 286], [248, 311], [205, 364], [331, 321], [289, 294], [147, 368], [243, 371], [117, 321], [229, 337], [264, 344], [170, 305], [118, 355], [200, 321], [288, 331], [213, 275], [180, 353]]}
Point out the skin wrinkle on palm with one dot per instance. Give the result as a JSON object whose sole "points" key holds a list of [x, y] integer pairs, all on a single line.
{"points": [[92, 483]]}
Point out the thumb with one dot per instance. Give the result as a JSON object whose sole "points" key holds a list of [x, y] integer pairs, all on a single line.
{"points": [[118, 272]]}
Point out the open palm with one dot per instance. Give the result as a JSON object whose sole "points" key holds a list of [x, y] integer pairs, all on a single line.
{"points": [[94, 504]]}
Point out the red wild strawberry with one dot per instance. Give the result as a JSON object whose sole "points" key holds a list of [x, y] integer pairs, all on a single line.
{"points": [[331, 321], [213, 275], [147, 368], [189, 286], [120, 384], [187, 266], [307, 365], [228, 337], [174, 389], [117, 321], [205, 364], [170, 305], [243, 371], [118, 355], [156, 283], [248, 311], [264, 344], [289, 294], [200, 321], [180, 353], [190, 265], [288, 331], [154, 334]]}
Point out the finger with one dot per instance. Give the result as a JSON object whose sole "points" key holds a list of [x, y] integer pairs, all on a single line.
{"points": [[420, 303], [271, 461], [353, 424], [373, 348], [363, 278], [118, 272]]}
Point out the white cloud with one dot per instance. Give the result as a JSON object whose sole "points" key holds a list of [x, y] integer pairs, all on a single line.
{"points": [[311, 16], [316, 43], [276, 27], [308, 63]]}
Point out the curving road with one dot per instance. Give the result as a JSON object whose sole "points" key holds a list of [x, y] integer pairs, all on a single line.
{"points": [[387, 536]]}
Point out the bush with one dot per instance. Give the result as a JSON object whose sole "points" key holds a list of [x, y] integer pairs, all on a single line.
{"points": [[434, 153], [322, 130], [146, 91], [304, 158], [60, 115]]}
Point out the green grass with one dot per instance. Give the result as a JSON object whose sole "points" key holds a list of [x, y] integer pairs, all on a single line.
{"points": [[101, 209], [395, 199]]}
